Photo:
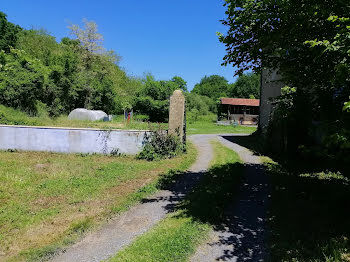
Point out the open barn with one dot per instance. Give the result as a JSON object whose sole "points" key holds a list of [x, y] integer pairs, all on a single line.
{"points": [[240, 110]]}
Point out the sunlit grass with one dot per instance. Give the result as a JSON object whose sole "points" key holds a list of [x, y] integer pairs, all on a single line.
{"points": [[48, 199], [209, 127]]}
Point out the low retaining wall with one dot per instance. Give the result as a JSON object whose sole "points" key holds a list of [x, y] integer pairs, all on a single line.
{"points": [[70, 140]]}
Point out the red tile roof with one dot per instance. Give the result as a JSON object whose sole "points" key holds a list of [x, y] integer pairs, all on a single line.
{"points": [[240, 102]]}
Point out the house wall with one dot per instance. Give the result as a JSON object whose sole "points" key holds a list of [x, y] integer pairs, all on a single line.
{"points": [[271, 85], [70, 140]]}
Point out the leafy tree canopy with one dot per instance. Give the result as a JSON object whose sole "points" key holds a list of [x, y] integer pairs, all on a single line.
{"points": [[307, 41], [152, 98], [246, 86], [182, 84], [8, 33], [63, 75], [213, 86]]}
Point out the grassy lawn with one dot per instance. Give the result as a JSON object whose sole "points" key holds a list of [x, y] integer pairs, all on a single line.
{"points": [[210, 127], [176, 237], [309, 216], [48, 200]]}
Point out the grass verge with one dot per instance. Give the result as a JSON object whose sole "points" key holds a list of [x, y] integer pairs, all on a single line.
{"points": [[47, 200], [176, 237]]}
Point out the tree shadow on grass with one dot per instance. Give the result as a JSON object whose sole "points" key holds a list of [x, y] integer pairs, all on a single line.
{"points": [[309, 209], [309, 217]]}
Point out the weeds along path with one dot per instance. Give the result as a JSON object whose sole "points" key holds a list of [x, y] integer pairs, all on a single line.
{"points": [[241, 236], [122, 230]]}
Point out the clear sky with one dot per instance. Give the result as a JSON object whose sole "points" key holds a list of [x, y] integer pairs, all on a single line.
{"points": [[162, 37]]}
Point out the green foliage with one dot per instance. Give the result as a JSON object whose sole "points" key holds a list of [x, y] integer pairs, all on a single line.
{"points": [[157, 110], [337, 146], [22, 80], [152, 98], [307, 42], [213, 86], [158, 144], [201, 104], [180, 83], [346, 106], [8, 32], [74, 73], [204, 97], [246, 86]]}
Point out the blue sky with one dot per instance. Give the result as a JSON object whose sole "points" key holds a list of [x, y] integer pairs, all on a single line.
{"points": [[162, 37]]}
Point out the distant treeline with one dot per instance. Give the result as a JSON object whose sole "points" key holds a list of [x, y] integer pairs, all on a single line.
{"points": [[39, 73]]}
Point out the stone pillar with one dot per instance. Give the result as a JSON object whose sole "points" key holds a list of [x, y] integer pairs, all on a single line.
{"points": [[177, 114]]}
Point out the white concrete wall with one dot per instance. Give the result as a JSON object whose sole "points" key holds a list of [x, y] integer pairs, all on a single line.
{"points": [[70, 140]]}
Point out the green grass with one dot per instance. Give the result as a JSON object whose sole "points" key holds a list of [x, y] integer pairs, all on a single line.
{"points": [[48, 200], [210, 127], [309, 215], [176, 237], [173, 239]]}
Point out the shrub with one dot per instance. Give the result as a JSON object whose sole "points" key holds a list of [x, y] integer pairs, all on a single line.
{"points": [[158, 144]]}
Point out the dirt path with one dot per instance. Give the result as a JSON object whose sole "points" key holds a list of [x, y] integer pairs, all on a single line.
{"points": [[121, 230], [244, 231]]}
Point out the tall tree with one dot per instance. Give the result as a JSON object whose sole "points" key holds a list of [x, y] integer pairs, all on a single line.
{"points": [[88, 36], [213, 86], [8, 33], [307, 41], [246, 86], [180, 83]]}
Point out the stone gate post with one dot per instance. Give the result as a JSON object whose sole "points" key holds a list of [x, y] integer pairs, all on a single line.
{"points": [[177, 114]]}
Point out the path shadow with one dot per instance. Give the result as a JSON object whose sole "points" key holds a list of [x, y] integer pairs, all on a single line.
{"points": [[232, 198], [253, 142], [178, 184], [244, 235]]}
